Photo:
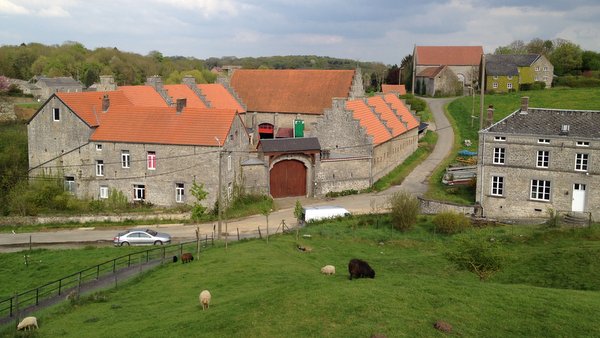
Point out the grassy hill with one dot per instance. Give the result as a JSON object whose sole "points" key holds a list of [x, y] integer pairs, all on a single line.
{"points": [[547, 287]]}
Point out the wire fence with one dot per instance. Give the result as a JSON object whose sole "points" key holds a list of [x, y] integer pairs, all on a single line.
{"points": [[27, 301]]}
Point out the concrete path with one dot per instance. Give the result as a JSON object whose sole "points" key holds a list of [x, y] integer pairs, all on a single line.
{"points": [[415, 183]]}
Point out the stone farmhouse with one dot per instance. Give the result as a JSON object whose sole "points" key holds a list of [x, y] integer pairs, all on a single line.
{"points": [[44, 87], [540, 159], [287, 138], [446, 70], [506, 72]]}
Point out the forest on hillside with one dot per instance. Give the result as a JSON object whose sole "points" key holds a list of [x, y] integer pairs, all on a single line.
{"points": [[73, 59]]}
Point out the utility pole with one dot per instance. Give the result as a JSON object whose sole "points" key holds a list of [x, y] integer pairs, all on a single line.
{"points": [[482, 86], [219, 200]]}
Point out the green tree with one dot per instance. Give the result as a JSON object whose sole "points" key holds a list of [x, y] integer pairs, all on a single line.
{"points": [[566, 58], [590, 60], [404, 210], [200, 194]]}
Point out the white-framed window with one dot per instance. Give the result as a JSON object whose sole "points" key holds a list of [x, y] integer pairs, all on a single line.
{"points": [[495, 77], [537, 68], [495, 85], [497, 186], [70, 184], [229, 163], [139, 192], [509, 77], [545, 78], [537, 78], [509, 85], [582, 144], [543, 158], [540, 190], [99, 168], [544, 141], [98, 147], [229, 190], [151, 159], [125, 159], [103, 192], [499, 155], [55, 114], [581, 162], [500, 138], [545, 68], [179, 192]]}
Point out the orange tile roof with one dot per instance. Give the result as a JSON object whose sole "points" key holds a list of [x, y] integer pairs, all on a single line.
{"points": [[182, 91], [219, 97], [385, 111], [449, 55], [431, 72], [373, 126], [291, 90], [143, 96], [88, 105], [402, 110], [162, 125], [388, 88]]}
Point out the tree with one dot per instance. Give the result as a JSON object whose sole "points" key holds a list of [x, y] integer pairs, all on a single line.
{"points": [[590, 60], [566, 58], [200, 194], [404, 210], [406, 69], [539, 46], [393, 75]]}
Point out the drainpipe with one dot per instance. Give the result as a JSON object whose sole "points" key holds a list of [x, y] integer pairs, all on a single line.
{"points": [[481, 181]]}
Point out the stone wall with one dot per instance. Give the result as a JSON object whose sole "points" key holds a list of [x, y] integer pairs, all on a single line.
{"points": [[335, 175], [431, 207], [388, 155]]}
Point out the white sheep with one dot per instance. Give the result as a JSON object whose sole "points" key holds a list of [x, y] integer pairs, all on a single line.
{"points": [[328, 270], [28, 323], [205, 299]]}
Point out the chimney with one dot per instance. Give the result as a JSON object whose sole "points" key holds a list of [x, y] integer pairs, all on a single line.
{"points": [[490, 116], [524, 104], [105, 103], [156, 82], [189, 80], [107, 83], [181, 103]]}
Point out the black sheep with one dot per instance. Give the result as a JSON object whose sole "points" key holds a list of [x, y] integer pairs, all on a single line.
{"points": [[360, 269]]}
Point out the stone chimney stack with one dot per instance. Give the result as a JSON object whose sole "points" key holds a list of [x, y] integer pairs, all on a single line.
{"points": [[105, 103], [524, 104], [156, 82], [107, 83], [490, 116], [189, 81], [181, 103]]}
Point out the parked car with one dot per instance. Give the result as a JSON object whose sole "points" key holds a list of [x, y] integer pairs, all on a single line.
{"points": [[141, 237]]}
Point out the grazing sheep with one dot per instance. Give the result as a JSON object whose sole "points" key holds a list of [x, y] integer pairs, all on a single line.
{"points": [[360, 269], [175, 259], [28, 323], [328, 270], [205, 299], [187, 257]]}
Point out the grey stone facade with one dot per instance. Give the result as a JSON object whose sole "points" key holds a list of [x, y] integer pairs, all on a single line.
{"points": [[544, 159], [543, 71]]}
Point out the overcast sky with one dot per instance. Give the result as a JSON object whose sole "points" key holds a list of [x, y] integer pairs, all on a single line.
{"points": [[365, 30]]}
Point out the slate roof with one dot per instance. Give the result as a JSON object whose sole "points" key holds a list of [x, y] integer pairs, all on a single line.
{"points": [[449, 55], [388, 88], [291, 90], [59, 81], [548, 122], [290, 145], [506, 64]]}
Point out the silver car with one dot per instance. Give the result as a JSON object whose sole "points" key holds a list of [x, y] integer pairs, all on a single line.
{"points": [[141, 237]]}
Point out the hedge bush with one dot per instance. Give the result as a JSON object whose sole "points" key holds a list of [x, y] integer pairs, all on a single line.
{"points": [[451, 222]]}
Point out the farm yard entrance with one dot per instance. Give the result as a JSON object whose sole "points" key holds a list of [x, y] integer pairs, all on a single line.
{"points": [[288, 178]]}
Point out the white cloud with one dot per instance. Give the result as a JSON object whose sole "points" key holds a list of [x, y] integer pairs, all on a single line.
{"points": [[53, 12], [317, 39], [10, 8], [208, 8]]}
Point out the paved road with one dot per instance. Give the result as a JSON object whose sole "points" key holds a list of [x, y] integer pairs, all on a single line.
{"points": [[415, 183]]}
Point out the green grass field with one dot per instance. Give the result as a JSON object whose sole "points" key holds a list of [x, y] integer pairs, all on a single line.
{"points": [[547, 288]]}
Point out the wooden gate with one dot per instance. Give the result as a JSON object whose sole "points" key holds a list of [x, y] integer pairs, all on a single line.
{"points": [[288, 178]]}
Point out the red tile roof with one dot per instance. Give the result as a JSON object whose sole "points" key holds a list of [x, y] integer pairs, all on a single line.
{"points": [[181, 91], [365, 115], [219, 97], [431, 72], [162, 125], [392, 120], [402, 110], [88, 105], [291, 91], [449, 55], [387, 88], [143, 96]]}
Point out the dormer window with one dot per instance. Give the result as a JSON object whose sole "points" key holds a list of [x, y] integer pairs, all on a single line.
{"points": [[500, 138], [582, 143]]}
